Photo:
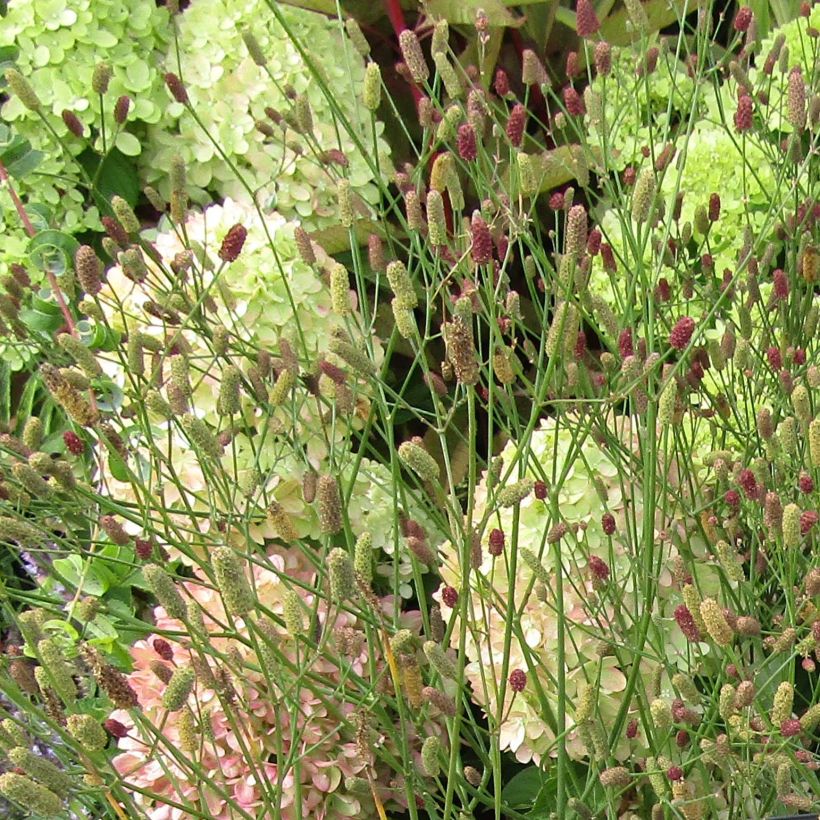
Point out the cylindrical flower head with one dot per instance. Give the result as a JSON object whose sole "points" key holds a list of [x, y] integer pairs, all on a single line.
{"points": [[121, 108], [461, 352], [796, 99], [179, 688], [413, 57], [36, 798], [783, 703], [363, 558], [58, 672], [330, 504], [716, 625], [801, 404], [449, 77], [22, 89], [791, 526], [125, 215], [576, 231], [341, 575], [603, 58], [41, 770], [228, 400], [405, 320], [514, 494], [661, 714], [401, 284], [439, 660], [481, 243], [372, 87], [436, 222], [232, 582], [643, 195], [527, 175], [532, 69], [165, 590], [744, 114], [232, 243], [430, 754], [100, 78], [87, 731], [416, 458], [339, 289], [615, 777], [281, 388], [814, 443], [586, 20], [88, 269]]}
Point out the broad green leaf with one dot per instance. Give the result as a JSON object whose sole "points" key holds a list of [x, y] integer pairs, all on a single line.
{"points": [[661, 13], [62, 626], [523, 788], [336, 239], [116, 175], [128, 144], [41, 322], [53, 250], [16, 153], [463, 12], [72, 570]]}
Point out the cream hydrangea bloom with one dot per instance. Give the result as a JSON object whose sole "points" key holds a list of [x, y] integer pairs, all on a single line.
{"points": [[591, 481], [230, 93], [241, 744]]}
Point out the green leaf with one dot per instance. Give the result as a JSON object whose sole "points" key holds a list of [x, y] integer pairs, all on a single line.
{"points": [[62, 626], [16, 153], [661, 13], [336, 239], [41, 322], [128, 144], [117, 174], [118, 467], [92, 580], [463, 12], [53, 250], [8, 55], [523, 788]]}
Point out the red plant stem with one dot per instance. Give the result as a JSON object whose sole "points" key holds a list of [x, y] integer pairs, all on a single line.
{"points": [[31, 231], [396, 17]]}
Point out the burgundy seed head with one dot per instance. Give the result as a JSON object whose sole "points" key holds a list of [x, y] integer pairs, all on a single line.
{"points": [[674, 773], [73, 443], [629, 176], [603, 58], [632, 729], [502, 83], [608, 523], [580, 345], [163, 649], [781, 284], [121, 109], [465, 142], [449, 597], [748, 483], [115, 728], [743, 19], [73, 123], [743, 115], [594, 242], [775, 358], [114, 230], [714, 207], [651, 60], [232, 243], [540, 490], [572, 68], [790, 728], [176, 88], [496, 542], [682, 332], [516, 123], [608, 258], [805, 482], [586, 20], [682, 739], [663, 290], [556, 202], [808, 518], [481, 248], [687, 623], [625, 347], [518, 680], [574, 102], [598, 568], [144, 548]]}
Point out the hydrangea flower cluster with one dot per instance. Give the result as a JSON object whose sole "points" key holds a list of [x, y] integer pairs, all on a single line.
{"points": [[600, 532], [59, 45], [260, 725], [293, 159], [262, 298]]}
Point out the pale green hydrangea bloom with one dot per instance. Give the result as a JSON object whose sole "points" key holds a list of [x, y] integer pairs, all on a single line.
{"points": [[591, 480], [60, 42], [229, 93]]}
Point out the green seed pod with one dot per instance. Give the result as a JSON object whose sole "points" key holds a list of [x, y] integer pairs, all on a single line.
{"points": [[16, 529], [586, 701], [87, 731], [31, 480], [188, 733], [372, 87], [357, 38], [339, 289], [791, 526], [801, 404], [232, 582], [686, 686], [345, 202], [643, 195], [200, 436], [33, 433], [363, 558], [11, 734], [661, 713], [430, 752], [814, 443], [787, 435], [165, 590], [41, 770], [405, 320], [783, 703], [526, 173], [81, 354], [254, 49], [100, 78], [355, 357], [436, 222], [440, 38], [402, 285], [448, 75], [157, 405], [808, 722], [417, 459], [125, 215], [413, 57], [228, 402], [281, 522], [341, 575], [292, 613], [729, 561], [717, 627], [179, 688], [440, 661], [666, 403], [446, 129], [329, 502], [22, 89], [563, 331], [534, 564], [36, 798], [282, 388], [514, 494]]}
